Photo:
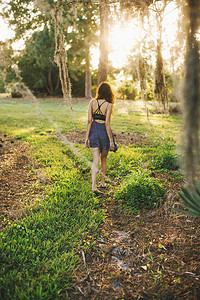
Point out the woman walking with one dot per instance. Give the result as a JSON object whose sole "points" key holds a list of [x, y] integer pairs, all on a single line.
{"points": [[99, 135]]}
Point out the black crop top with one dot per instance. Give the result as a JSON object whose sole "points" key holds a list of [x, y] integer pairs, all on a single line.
{"points": [[97, 114]]}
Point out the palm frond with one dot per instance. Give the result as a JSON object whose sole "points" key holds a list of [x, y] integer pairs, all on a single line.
{"points": [[191, 196]]}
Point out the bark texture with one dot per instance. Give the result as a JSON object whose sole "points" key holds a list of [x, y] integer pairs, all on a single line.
{"points": [[191, 93], [103, 47], [160, 89], [88, 82], [141, 69]]}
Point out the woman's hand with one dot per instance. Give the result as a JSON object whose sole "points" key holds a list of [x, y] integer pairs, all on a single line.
{"points": [[112, 146], [87, 143]]}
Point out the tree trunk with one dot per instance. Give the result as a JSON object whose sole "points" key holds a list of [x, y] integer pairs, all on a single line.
{"points": [[88, 83], [57, 83], [141, 69], [160, 89], [191, 94], [103, 47], [49, 84]]}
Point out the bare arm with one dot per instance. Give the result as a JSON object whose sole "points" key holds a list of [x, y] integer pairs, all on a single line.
{"points": [[89, 124], [108, 126]]}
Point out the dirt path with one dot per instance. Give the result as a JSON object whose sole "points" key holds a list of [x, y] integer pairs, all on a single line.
{"points": [[121, 138], [154, 255], [18, 180]]}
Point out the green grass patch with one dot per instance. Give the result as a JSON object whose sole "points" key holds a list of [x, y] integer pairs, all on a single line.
{"points": [[166, 161], [124, 162], [139, 191]]}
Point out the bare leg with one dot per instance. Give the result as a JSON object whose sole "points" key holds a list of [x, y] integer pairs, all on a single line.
{"points": [[95, 165], [104, 155]]}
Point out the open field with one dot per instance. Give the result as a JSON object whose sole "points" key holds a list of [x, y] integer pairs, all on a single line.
{"points": [[58, 241]]}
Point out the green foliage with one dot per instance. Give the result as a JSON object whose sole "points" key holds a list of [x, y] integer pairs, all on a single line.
{"points": [[191, 196], [39, 70], [149, 91], [2, 86], [127, 91], [139, 191], [7, 74], [170, 86], [37, 66], [166, 160]]}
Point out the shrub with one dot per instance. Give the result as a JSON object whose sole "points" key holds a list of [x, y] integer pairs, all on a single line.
{"points": [[166, 160], [127, 91], [139, 191]]}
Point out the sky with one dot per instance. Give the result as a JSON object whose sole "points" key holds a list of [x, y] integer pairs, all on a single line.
{"points": [[7, 33]]}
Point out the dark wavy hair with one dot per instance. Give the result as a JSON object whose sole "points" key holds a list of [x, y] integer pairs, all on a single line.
{"points": [[104, 91]]}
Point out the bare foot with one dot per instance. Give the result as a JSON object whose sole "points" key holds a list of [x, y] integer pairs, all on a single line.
{"points": [[97, 192], [103, 185]]}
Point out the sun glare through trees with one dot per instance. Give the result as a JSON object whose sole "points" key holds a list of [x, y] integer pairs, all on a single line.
{"points": [[126, 37]]}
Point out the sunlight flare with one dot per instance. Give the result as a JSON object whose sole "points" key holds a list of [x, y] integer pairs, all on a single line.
{"points": [[122, 40]]}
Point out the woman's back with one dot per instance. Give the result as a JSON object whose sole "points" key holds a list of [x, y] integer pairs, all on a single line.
{"points": [[99, 109]]}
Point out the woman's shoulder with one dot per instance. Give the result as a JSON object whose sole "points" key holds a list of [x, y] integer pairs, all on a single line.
{"points": [[106, 102], [110, 104], [91, 101]]}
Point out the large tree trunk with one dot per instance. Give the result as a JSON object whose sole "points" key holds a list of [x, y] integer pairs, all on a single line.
{"points": [[103, 47], [88, 83], [191, 94]]}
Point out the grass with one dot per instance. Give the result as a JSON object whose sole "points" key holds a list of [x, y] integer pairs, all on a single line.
{"points": [[139, 191], [39, 253], [134, 120]]}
